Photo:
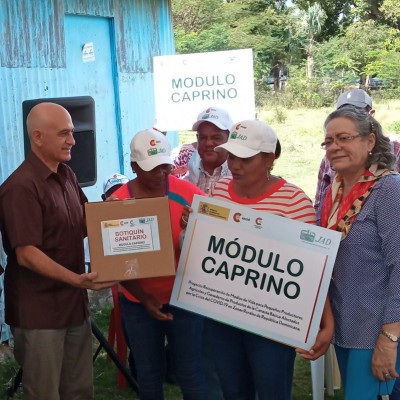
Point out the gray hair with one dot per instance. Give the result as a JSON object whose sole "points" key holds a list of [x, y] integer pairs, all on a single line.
{"points": [[382, 153]]}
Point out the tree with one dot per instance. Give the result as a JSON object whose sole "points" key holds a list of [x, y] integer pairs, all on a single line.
{"points": [[339, 41], [199, 26], [195, 15], [391, 11], [235, 24], [311, 22], [364, 50], [338, 15], [342, 13]]}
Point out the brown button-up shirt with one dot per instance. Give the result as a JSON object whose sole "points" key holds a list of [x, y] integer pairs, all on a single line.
{"points": [[44, 209]]}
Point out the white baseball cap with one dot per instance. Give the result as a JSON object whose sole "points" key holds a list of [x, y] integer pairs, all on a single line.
{"points": [[150, 149], [355, 97], [217, 116], [250, 137], [113, 180]]}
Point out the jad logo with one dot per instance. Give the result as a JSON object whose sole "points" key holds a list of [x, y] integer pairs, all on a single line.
{"points": [[146, 220], [209, 115], [307, 235], [154, 151], [236, 135]]}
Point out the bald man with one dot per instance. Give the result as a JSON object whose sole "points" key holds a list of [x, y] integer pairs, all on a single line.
{"points": [[46, 304]]}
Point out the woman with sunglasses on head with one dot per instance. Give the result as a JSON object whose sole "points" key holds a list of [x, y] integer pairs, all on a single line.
{"points": [[249, 364], [362, 203]]}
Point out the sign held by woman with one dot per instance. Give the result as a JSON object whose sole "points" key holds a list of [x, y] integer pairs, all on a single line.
{"points": [[259, 272]]}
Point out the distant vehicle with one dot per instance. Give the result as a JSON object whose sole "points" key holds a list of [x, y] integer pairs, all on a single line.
{"points": [[378, 83], [270, 80]]}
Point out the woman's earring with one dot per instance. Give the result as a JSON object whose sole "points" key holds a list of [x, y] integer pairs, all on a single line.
{"points": [[370, 153]]}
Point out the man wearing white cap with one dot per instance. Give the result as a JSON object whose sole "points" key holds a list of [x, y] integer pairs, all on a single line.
{"points": [[112, 183], [202, 165], [147, 316], [358, 98]]}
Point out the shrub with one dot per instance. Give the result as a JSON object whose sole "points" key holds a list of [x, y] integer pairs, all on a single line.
{"points": [[279, 115], [395, 127]]}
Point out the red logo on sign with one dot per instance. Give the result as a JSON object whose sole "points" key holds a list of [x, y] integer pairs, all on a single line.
{"points": [[236, 217]]}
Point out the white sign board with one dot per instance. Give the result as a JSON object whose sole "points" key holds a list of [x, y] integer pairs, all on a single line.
{"points": [[187, 84], [255, 270], [88, 52]]}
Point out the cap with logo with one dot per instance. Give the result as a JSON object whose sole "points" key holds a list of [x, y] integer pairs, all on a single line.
{"points": [[355, 97], [250, 137], [114, 180], [150, 149], [215, 115]]}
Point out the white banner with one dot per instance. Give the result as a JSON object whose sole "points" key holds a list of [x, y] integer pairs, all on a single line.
{"points": [[130, 235], [255, 270], [187, 84]]}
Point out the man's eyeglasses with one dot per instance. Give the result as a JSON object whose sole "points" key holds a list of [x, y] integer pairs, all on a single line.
{"points": [[340, 140]]}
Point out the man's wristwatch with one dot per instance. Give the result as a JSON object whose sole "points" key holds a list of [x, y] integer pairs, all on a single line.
{"points": [[390, 336]]}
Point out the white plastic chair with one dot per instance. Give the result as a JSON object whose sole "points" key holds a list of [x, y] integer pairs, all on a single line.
{"points": [[322, 374]]}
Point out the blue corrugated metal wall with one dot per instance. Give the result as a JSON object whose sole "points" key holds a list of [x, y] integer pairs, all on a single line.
{"points": [[33, 65]]}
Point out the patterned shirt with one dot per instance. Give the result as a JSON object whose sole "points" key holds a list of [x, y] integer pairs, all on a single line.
{"points": [[365, 290], [326, 173], [282, 199], [180, 156], [201, 178], [189, 166]]}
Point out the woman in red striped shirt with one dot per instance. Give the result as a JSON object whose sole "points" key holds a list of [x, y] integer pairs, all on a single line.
{"points": [[248, 364]]}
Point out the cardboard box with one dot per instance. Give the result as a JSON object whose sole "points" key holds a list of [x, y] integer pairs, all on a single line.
{"points": [[130, 239]]}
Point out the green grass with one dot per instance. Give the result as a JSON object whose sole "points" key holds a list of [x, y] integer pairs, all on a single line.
{"points": [[301, 135], [105, 374], [106, 388], [300, 132]]}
